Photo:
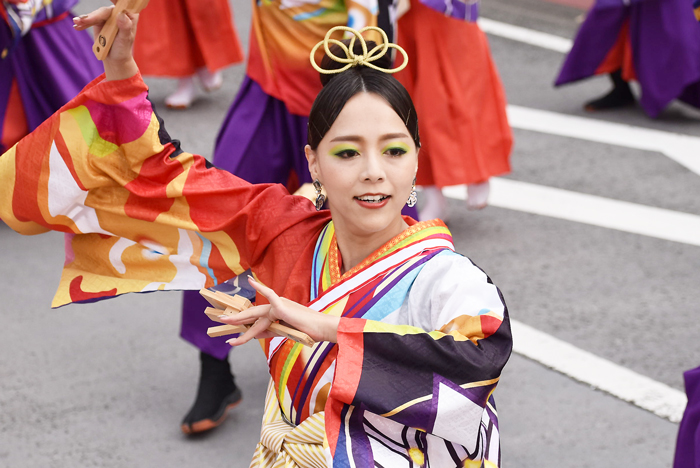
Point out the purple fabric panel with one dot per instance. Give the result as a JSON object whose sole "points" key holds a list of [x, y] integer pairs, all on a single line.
{"points": [[52, 64], [665, 41], [462, 10], [666, 45], [55, 8], [6, 75], [260, 141], [688, 444], [594, 40], [195, 323]]}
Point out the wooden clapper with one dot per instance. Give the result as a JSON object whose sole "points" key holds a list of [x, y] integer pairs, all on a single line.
{"points": [[224, 304], [104, 40]]}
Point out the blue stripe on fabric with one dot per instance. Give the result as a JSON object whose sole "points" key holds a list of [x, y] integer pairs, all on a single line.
{"points": [[204, 258], [310, 14]]}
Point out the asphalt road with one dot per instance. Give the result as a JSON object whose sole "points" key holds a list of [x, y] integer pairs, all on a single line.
{"points": [[107, 384]]}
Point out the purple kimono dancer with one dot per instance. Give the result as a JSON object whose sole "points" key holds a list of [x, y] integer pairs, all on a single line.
{"points": [[665, 39], [52, 63], [688, 444], [261, 142]]}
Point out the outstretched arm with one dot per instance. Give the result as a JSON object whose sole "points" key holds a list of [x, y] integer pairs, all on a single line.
{"points": [[142, 214]]}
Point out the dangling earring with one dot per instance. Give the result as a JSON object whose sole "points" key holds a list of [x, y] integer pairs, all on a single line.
{"points": [[413, 197], [320, 198]]}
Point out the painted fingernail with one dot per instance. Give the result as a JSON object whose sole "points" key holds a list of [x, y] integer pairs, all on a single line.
{"points": [[75, 26], [223, 316], [250, 277], [83, 16], [231, 340], [75, 19]]}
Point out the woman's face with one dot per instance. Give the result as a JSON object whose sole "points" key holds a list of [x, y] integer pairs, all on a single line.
{"points": [[367, 162]]}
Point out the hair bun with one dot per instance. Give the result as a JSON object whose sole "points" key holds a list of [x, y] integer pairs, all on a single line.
{"points": [[329, 64]]}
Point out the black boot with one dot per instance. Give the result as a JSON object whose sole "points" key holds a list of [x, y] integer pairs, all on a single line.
{"points": [[620, 96], [217, 393]]}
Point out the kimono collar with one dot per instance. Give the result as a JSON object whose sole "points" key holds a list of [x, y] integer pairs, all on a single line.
{"points": [[327, 262]]}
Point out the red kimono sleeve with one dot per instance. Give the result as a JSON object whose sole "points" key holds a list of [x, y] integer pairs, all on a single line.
{"points": [[140, 213]]}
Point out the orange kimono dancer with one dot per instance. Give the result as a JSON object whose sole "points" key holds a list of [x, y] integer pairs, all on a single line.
{"points": [[177, 37], [457, 92], [423, 333]]}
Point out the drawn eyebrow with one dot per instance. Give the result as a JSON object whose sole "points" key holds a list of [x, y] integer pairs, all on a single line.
{"points": [[391, 136], [348, 138], [388, 136]]}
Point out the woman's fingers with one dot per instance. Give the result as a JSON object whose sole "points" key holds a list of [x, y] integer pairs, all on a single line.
{"points": [[95, 19], [249, 315], [268, 293], [258, 328]]}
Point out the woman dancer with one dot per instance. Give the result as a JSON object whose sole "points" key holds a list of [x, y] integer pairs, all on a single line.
{"points": [[461, 101], [43, 64], [653, 42], [198, 40], [410, 336]]}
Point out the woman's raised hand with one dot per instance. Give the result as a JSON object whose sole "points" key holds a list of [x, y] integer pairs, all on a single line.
{"points": [[119, 64], [319, 326]]}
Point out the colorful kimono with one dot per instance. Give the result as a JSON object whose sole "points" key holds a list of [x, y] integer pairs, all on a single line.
{"points": [[423, 336], [44, 63], [197, 33], [457, 92], [269, 116], [654, 42]]}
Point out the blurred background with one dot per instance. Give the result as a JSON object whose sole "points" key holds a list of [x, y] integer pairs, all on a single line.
{"points": [[594, 240]]}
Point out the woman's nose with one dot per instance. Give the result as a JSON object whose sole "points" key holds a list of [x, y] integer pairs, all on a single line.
{"points": [[374, 168]]}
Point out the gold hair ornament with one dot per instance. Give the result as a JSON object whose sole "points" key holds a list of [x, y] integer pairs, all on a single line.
{"points": [[353, 60]]}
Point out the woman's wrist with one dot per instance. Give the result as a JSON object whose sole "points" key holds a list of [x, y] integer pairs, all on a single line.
{"points": [[330, 325], [120, 70]]}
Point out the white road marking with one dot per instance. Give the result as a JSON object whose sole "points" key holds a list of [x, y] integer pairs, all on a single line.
{"points": [[590, 209], [684, 149], [600, 373], [527, 36]]}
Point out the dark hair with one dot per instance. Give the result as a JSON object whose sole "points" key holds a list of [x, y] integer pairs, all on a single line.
{"points": [[339, 88]]}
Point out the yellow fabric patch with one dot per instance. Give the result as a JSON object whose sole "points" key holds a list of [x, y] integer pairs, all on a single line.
{"points": [[98, 146], [416, 455]]}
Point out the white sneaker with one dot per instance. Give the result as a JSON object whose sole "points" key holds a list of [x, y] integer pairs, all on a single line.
{"points": [[210, 81], [184, 95], [478, 195], [434, 204]]}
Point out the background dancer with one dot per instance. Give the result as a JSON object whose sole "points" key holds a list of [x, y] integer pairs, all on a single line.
{"points": [[653, 42], [44, 63], [185, 39], [461, 101], [262, 141]]}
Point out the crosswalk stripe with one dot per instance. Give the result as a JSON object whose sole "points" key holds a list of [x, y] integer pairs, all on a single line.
{"points": [[623, 383], [590, 209], [684, 149], [525, 35]]}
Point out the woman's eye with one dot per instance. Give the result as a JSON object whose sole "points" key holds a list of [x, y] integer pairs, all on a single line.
{"points": [[347, 153], [395, 151]]}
